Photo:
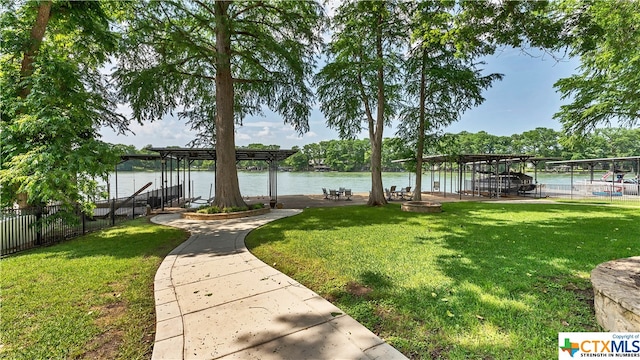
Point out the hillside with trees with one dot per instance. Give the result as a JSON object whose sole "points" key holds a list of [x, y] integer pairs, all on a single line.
{"points": [[350, 155]]}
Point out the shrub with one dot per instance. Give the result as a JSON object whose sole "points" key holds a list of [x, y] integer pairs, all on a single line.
{"points": [[216, 210]]}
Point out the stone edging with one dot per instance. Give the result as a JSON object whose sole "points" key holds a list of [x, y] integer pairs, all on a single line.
{"points": [[422, 206], [225, 216], [616, 288]]}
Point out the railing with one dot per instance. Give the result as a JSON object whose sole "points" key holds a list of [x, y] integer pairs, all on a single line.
{"points": [[607, 192], [23, 229], [611, 192], [152, 198]]}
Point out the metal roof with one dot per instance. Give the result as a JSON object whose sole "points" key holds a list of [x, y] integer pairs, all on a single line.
{"points": [[470, 158], [126, 157], [593, 161], [210, 153]]}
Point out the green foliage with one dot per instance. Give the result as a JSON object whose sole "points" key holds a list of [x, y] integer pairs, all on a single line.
{"points": [[482, 26], [479, 280], [359, 87], [53, 107], [298, 161], [441, 81], [606, 37], [363, 71], [170, 61], [602, 143], [257, 164], [67, 300], [217, 210], [217, 63], [353, 155]]}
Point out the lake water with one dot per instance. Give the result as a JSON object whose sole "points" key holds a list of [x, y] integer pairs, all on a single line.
{"points": [[255, 183]]}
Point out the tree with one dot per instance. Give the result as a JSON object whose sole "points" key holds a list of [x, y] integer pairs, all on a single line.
{"points": [[217, 63], [541, 142], [298, 161], [257, 164], [54, 100], [606, 37], [359, 85], [441, 82], [395, 149], [316, 152]]}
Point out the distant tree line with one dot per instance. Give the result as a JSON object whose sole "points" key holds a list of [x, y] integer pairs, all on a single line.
{"points": [[354, 155]]}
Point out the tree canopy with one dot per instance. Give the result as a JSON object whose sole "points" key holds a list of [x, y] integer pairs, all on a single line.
{"points": [[54, 100], [359, 87], [605, 35], [216, 63], [442, 80]]}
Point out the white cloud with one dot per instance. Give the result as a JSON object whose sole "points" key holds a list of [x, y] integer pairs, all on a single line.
{"points": [[168, 131], [240, 136], [260, 123], [298, 138], [266, 132]]}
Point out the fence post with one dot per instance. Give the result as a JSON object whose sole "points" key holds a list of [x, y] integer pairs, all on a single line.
{"points": [[113, 211], [84, 226], [38, 224], [133, 207]]}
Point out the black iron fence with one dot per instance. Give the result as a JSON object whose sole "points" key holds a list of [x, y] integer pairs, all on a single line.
{"points": [[23, 229]]}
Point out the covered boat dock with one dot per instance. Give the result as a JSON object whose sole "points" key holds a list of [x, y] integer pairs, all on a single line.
{"points": [[186, 156], [490, 174]]}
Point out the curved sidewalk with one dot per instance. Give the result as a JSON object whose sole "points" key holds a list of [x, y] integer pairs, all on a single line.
{"points": [[215, 300]]}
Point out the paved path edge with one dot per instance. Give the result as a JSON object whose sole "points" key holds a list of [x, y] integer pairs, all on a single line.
{"points": [[170, 333]]}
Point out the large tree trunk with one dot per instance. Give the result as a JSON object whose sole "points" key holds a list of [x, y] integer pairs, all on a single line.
{"points": [[227, 187], [26, 67], [37, 34], [377, 196], [417, 192]]}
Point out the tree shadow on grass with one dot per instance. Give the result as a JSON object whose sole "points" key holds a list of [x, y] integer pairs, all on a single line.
{"points": [[516, 276], [348, 219], [532, 275]]}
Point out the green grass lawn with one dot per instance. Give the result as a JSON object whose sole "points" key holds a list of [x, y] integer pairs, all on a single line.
{"points": [[478, 281], [91, 297]]}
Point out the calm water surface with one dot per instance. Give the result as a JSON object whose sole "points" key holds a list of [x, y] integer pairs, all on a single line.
{"points": [[255, 183]]}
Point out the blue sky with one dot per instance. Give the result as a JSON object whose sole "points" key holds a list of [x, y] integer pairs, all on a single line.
{"points": [[523, 100]]}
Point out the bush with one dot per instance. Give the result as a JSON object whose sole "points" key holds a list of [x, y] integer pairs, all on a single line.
{"points": [[217, 210]]}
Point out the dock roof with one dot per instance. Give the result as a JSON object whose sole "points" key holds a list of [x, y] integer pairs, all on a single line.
{"points": [[210, 153]]}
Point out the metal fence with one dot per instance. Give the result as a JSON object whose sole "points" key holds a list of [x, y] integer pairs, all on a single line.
{"points": [[612, 192], [599, 192], [23, 229]]}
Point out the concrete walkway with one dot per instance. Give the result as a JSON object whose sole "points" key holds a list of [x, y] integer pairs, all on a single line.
{"points": [[215, 300]]}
